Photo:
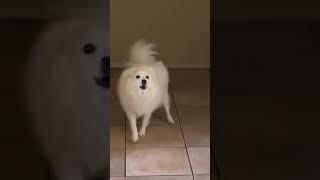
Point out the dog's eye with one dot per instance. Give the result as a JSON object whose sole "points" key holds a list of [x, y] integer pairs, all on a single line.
{"points": [[137, 76], [89, 48], [147, 77]]}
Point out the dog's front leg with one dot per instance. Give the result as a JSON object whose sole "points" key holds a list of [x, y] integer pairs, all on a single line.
{"points": [[144, 125], [133, 124]]}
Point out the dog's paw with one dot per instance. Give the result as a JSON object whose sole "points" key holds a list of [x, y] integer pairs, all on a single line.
{"points": [[142, 132], [170, 120], [135, 138]]}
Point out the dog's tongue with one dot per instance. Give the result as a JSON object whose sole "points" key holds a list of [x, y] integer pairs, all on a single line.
{"points": [[143, 87], [103, 82]]}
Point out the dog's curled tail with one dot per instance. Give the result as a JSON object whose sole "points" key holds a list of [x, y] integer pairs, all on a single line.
{"points": [[142, 53]]}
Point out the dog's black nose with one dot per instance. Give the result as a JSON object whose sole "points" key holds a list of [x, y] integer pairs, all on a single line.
{"points": [[104, 79], [105, 64], [144, 82]]}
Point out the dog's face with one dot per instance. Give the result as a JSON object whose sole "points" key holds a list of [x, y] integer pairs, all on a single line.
{"points": [[142, 80]]}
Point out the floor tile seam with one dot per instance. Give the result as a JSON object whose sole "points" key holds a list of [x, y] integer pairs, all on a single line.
{"points": [[184, 139], [125, 144], [169, 147], [177, 175]]}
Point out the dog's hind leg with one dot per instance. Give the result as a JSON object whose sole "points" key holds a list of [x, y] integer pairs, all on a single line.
{"points": [[144, 125], [166, 104], [133, 124]]}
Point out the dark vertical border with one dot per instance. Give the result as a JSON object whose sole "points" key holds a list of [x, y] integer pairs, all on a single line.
{"points": [[109, 103], [214, 165], [265, 74]]}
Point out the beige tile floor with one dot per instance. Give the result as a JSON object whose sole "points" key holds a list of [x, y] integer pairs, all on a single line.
{"points": [[167, 152]]}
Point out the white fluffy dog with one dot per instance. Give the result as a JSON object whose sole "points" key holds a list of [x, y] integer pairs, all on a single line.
{"points": [[143, 87], [67, 90]]}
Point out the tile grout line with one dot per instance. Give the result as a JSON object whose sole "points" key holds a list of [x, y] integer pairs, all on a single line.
{"points": [[125, 146], [158, 147], [180, 124], [170, 175]]}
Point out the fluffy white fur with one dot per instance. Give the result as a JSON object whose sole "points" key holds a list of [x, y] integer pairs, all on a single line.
{"points": [[68, 110], [138, 102]]}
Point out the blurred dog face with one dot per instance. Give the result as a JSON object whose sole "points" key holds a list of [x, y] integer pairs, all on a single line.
{"points": [[67, 88], [102, 76], [94, 49], [81, 63]]}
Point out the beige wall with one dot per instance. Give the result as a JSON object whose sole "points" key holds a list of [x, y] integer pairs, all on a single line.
{"points": [[47, 9], [181, 28]]}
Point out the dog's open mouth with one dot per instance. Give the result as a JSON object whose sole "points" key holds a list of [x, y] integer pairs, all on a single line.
{"points": [[103, 81], [143, 87]]}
